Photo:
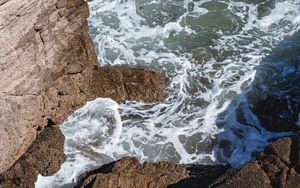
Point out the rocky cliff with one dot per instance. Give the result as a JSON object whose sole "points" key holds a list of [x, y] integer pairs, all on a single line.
{"points": [[46, 63], [48, 68]]}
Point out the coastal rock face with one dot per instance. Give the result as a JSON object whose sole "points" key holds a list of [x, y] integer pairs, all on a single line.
{"points": [[48, 68], [129, 173], [277, 166], [44, 156], [120, 84], [46, 64], [46, 153]]}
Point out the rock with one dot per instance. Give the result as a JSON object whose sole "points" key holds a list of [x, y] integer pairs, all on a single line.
{"points": [[129, 173], [44, 156], [281, 149], [296, 155], [120, 84], [200, 176], [276, 166], [47, 59], [276, 113], [47, 62], [248, 176]]}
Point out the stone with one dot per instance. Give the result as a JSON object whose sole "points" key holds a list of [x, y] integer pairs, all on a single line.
{"points": [[248, 176], [121, 84], [129, 173], [44, 156], [46, 64], [201, 176]]}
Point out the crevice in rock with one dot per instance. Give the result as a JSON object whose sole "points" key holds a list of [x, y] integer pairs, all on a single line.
{"points": [[50, 123], [60, 93], [40, 35], [269, 178], [3, 2], [20, 95], [105, 169], [295, 153], [126, 90]]}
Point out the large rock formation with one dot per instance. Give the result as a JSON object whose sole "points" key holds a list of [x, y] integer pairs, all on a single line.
{"points": [[48, 68], [46, 155], [46, 64]]}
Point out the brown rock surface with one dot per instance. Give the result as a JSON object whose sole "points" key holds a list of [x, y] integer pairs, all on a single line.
{"points": [[200, 176], [46, 64], [129, 173], [44, 156], [120, 84]]}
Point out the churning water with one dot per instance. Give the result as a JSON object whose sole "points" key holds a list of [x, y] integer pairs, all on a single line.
{"points": [[209, 50]]}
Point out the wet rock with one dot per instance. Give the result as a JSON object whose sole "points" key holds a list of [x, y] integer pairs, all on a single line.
{"points": [[120, 84], [277, 113], [296, 155], [129, 173], [44, 156]]}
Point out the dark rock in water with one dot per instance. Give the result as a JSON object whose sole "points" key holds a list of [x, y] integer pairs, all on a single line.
{"points": [[120, 84], [276, 166], [44, 156], [129, 173], [277, 113]]}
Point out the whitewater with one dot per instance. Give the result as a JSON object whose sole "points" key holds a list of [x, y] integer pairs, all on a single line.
{"points": [[212, 52]]}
